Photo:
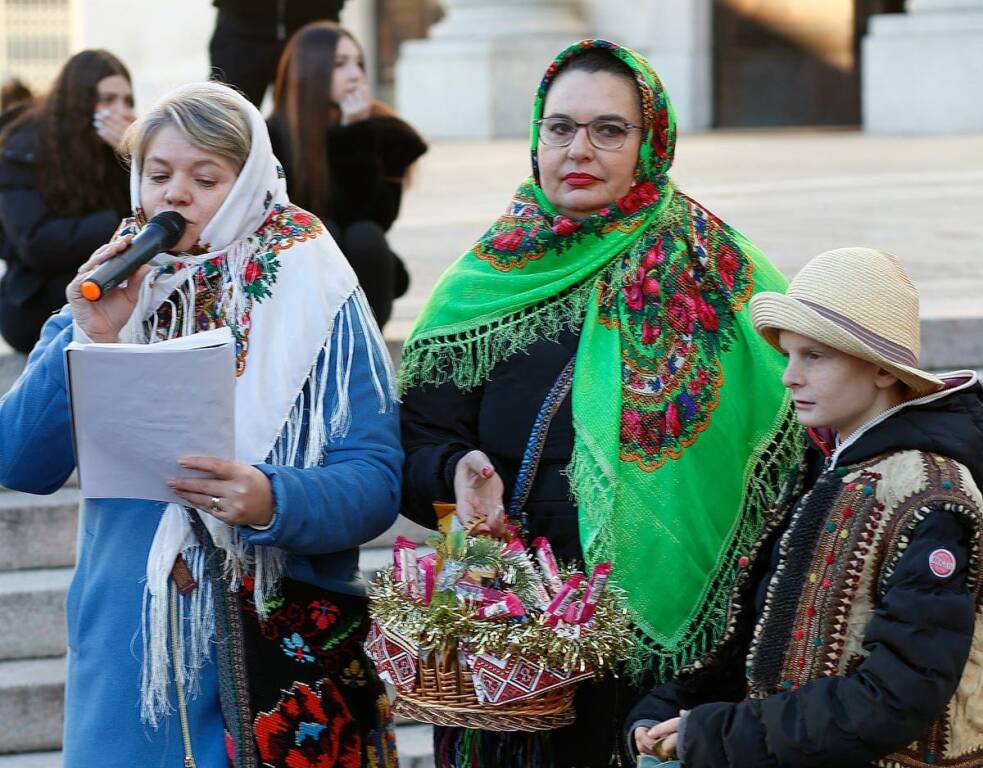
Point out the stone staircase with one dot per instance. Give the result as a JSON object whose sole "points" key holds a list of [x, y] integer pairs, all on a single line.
{"points": [[37, 552]]}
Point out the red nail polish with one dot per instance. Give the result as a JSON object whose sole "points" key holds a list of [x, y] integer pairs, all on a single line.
{"points": [[487, 472]]}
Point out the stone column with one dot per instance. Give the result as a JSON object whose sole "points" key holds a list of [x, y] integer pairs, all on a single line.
{"points": [[476, 74], [922, 70]]}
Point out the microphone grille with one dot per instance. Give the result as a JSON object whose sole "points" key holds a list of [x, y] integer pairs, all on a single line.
{"points": [[172, 223]]}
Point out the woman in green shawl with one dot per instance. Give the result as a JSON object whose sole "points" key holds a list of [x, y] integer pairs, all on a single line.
{"points": [[665, 455]]}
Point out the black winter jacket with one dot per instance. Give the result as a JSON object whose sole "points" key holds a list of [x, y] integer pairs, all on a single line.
{"points": [[293, 14], [368, 161], [42, 248], [441, 424], [916, 642]]}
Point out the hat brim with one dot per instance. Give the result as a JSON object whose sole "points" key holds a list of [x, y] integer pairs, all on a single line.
{"points": [[772, 313]]}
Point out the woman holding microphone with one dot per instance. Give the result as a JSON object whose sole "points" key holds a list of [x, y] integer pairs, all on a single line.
{"points": [[317, 472]]}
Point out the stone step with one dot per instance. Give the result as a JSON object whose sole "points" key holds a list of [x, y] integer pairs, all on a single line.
{"points": [[32, 611], [402, 527], [414, 742], [31, 704], [38, 531], [32, 712], [33, 602], [32, 760]]}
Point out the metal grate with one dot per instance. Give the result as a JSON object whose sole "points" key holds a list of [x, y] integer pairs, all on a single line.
{"points": [[35, 39]]}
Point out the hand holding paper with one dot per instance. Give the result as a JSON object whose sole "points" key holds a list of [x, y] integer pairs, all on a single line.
{"points": [[235, 493], [137, 409]]}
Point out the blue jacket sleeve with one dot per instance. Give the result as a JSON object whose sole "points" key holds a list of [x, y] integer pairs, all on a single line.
{"points": [[36, 451], [354, 495], [917, 644]]}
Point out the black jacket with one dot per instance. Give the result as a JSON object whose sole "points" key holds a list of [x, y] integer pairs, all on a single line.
{"points": [[368, 161], [42, 248], [293, 14], [917, 640], [441, 424]]}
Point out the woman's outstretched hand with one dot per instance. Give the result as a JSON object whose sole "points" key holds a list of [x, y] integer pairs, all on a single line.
{"points": [[236, 493], [103, 320], [478, 493]]}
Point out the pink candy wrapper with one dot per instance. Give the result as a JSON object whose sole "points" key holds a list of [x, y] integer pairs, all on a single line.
{"points": [[411, 573], [400, 544], [595, 588], [428, 575], [557, 608], [516, 548], [547, 564], [478, 594], [510, 607]]}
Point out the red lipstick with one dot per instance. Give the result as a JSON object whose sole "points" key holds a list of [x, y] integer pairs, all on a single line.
{"points": [[580, 179]]}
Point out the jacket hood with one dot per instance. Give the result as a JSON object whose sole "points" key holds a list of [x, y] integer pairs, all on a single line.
{"points": [[948, 422]]}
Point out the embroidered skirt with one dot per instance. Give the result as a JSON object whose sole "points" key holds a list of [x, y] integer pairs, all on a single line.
{"points": [[316, 698]]}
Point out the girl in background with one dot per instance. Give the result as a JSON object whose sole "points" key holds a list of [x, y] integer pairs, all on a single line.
{"points": [[63, 190], [346, 156]]}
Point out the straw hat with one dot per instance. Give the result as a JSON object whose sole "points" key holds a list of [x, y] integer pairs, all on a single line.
{"points": [[857, 300]]}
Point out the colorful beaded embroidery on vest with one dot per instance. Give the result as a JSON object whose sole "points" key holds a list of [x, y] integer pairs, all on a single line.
{"points": [[834, 569]]}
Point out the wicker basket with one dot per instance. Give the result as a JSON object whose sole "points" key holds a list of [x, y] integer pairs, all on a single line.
{"points": [[445, 695]]}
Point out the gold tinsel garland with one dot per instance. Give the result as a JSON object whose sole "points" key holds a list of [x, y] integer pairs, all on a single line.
{"points": [[600, 646]]}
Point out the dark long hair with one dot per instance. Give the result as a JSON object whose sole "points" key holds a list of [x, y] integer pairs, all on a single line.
{"points": [[302, 107], [78, 172]]}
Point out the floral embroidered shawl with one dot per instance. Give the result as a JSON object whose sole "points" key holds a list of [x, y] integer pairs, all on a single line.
{"points": [[682, 425], [269, 272]]}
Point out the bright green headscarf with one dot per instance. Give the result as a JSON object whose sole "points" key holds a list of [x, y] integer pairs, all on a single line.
{"points": [[682, 424]]}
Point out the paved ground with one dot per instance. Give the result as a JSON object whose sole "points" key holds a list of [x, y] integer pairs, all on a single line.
{"points": [[794, 192]]}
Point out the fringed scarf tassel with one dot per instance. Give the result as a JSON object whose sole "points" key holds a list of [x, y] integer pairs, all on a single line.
{"points": [[302, 443]]}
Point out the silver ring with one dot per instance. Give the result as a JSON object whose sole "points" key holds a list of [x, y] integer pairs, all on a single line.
{"points": [[216, 504]]}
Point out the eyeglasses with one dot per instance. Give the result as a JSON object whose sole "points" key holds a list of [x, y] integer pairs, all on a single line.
{"points": [[603, 133]]}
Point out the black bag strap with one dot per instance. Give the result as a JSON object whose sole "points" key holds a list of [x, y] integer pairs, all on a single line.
{"points": [[534, 447]]}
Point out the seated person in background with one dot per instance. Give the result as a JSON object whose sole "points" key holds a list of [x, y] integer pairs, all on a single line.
{"points": [[63, 190], [852, 639], [346, 156], [14, 98]]}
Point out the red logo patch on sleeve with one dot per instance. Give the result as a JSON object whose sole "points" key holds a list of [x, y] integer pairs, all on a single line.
{"points": [[942, 562]]}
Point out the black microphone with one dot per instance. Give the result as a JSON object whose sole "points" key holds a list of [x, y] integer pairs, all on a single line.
{"points": [[161, 234]]}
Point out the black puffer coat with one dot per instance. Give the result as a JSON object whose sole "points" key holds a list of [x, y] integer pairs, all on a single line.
{"points": [[42, 249], [440, 425], [916, 642]]}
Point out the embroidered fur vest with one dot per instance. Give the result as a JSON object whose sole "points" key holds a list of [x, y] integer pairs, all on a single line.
{"points": [[841, 548]]}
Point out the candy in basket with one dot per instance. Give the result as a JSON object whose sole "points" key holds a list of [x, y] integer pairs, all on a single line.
{"points": [[481, 633]]}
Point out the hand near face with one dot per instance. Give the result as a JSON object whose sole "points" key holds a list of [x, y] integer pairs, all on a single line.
{"points": [[243, 492], [103, 320], [478, 493], [110, 126], [356, 106]]}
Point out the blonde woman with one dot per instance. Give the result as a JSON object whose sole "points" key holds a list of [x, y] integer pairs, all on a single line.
{"points": [[304, 491]]}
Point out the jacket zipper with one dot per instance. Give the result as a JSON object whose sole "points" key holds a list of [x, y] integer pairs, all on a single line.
{"points": [[178, 658]]}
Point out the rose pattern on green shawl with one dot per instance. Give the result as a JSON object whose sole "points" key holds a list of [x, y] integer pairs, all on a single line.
{"points": [[675, 308], [657, 288]]}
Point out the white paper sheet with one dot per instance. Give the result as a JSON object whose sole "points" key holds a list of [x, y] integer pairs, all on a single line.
{"points": [[138, 408]]}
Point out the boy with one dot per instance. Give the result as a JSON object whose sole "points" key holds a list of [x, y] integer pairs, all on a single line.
{"points": [[855, 636]]}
